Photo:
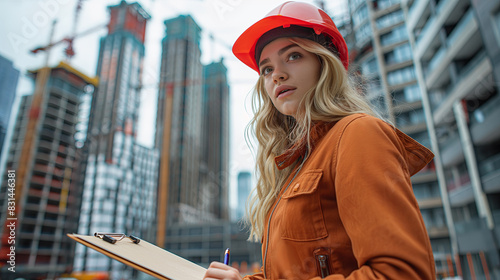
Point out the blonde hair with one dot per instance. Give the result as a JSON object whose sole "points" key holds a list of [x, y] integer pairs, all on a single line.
{"points": [[333, 98]]}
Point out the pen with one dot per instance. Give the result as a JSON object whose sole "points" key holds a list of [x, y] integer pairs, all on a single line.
{"points": [[226, 257]]}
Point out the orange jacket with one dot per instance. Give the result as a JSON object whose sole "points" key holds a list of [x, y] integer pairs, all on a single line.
{"points": [[352, 204]]}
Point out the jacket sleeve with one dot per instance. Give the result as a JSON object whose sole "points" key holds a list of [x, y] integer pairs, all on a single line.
{"points": [[377, 205]]}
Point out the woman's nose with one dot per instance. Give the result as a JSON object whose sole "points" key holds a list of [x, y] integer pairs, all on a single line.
{"points": [[279, 74]]}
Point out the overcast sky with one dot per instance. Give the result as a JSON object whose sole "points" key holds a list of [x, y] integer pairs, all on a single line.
{"points": [[26, 24]]}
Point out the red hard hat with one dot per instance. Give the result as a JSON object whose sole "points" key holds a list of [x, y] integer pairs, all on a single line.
{"points": [[286, 14]]}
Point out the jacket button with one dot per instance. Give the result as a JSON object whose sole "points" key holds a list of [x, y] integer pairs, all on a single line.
{"points": [[296, 187]]}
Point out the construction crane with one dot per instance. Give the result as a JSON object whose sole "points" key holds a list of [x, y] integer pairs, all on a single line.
{"points": [[39, 93], [69, 51]]}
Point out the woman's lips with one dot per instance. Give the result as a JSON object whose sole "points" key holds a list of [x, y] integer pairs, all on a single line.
{"points": [[284, 90]]}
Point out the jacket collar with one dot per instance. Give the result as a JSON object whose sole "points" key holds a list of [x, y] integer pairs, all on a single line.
{"points": [[299, 149], [418, 156]]}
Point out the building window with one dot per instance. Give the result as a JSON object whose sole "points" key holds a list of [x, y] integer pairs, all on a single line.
{"points": [[355, 3], [369, 66], [363, 33], [412, 93], [402, 75], [390, 19], [383, 4], [414, 117], [399, 54], [396, 35], [360, 15]]}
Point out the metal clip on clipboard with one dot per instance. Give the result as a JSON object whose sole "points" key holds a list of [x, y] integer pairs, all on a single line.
{"points": [[113, 237]]}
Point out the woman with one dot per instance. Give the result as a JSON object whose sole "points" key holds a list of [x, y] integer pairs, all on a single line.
{"points": [[334, 198]]}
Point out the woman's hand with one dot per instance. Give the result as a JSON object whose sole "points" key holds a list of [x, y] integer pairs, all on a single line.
{"points": [[218, 270]]}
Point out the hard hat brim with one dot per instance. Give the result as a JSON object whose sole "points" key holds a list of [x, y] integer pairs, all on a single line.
{"points": [[244, 47]]}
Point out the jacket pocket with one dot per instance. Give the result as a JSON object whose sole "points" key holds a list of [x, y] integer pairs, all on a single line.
{"points": [[303, 217]]}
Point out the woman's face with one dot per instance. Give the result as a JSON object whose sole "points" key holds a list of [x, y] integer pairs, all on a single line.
{"points": [[289, 72]]}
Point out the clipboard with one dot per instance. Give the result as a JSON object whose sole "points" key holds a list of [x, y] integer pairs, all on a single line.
{"points": [[145, 257]]}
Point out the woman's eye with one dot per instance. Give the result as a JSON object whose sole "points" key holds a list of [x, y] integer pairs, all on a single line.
{"points": [[266, 71], [294, 56]]}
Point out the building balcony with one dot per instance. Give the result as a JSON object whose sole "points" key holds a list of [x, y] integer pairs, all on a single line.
{"points": [[387, 9], [417, 14], [383, 5], [424, 175], [50, 123], [427, 35], [485, 125], [38, 179], [466, 26], [397, 64], [52, 209], [445, 11], [432, 202], [461, 183], [42, 158], [45, 144], [52, 112], [465, 41], [490, 174], [451, 150], [474, 236], [437, 232], [460, 193], [47, 135], [466, 22], [413, 127], [403, 106], [436, 59], [468, 83], [484, 130]]}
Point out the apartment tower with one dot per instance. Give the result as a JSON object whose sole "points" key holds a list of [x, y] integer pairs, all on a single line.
{"points": [[456, 46]]}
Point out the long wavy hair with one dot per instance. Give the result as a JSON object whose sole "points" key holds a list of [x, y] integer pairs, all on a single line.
{"points": [[333, 98]]}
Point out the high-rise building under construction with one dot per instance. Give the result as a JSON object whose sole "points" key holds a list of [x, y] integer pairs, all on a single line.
{"points": [[48, 201], [191, 131], [121, 176]]}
